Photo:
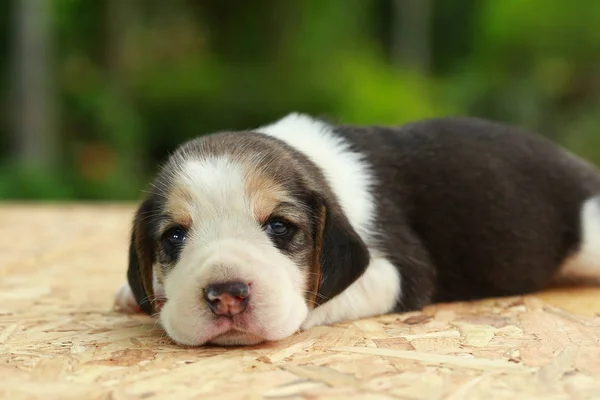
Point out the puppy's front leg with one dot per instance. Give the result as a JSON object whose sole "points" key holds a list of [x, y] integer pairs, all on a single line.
{"points": [[125, 301]]}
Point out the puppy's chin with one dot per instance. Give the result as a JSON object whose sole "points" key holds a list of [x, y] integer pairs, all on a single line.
{"points": [[237, 338]]}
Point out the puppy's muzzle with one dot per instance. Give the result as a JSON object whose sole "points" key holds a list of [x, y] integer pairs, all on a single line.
{"points": [[227, 299]]}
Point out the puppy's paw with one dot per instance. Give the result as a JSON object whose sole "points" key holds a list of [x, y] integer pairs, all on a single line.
{"points": [[125, 301]]}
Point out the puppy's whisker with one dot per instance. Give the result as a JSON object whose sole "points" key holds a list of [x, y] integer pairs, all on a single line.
{"points": [[314, 303], [318, 295]]}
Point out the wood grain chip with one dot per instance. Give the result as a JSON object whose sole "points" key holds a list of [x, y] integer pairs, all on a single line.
{"points": [[417, 320], [437, 359], [328, 376], [126, 357], [476, 335], [561, 364], [398, 343]]}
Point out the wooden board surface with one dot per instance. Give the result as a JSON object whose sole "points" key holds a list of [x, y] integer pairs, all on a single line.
{"points": [[59, 338]]}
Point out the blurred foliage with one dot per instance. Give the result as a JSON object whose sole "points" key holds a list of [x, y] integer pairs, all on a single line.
{"points": [[136, 78]]}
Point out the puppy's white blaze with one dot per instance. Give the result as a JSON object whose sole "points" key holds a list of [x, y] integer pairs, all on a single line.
{"points": [[226, 243], [586, 262], [216, 186], [375, 293], [347, 173]]}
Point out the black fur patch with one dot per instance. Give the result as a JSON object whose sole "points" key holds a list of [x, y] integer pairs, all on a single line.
{"points": [[142, 253], [468, 208], [343, 256]]}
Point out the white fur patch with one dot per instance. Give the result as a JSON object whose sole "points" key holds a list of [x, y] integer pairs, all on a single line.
{"points": [[351, 179], [375, 293], [586, 262], [125, 301]]}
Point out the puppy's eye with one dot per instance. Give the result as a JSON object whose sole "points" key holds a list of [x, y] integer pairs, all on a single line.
{"points": [[277, 227], [175, 236], [172, 241]]}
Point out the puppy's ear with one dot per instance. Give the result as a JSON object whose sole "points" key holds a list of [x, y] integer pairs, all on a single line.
{"points": [[141, 257], [340, 255]]}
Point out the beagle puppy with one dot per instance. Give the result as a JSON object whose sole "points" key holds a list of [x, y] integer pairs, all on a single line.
{"points": [[251, 236]]}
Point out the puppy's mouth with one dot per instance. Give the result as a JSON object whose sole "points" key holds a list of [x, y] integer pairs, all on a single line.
{"points": [[235, 330], [159, 300], [230, 317], [159, 303]]}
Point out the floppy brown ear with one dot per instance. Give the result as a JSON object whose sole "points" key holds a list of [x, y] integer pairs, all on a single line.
{"points": [[340, 255], [141, 257]]}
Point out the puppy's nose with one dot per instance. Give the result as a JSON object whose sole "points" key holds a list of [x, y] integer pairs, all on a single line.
{"points": [[227, 299]]}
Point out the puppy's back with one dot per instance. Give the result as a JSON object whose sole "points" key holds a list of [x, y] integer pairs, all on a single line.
{"points": [[498, 209]]}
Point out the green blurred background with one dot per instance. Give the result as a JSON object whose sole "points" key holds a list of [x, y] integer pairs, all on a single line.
{"points": [[96, 93]]}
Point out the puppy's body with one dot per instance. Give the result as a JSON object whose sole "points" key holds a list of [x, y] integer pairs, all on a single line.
{"points": [[383, 219], [496, 209]]}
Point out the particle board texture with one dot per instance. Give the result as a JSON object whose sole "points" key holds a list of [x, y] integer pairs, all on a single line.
{"points": [[61, 339]]}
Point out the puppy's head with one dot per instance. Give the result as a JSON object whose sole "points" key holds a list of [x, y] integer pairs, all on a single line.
{"points": [[245, 237]]}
